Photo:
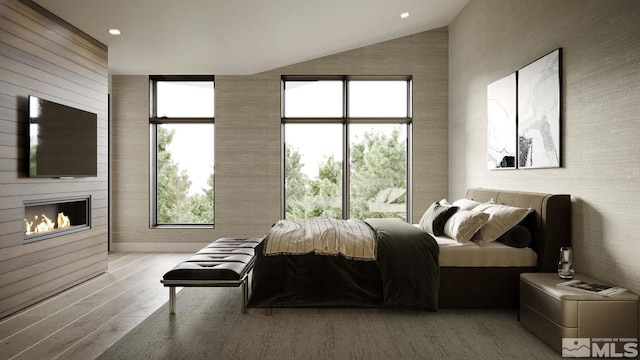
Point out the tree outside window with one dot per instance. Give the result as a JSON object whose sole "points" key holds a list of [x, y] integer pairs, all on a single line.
{"points": [[375, 133]]}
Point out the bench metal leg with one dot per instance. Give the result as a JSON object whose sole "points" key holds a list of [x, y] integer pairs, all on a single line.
{"points": [[172, 299], [243, 283], [245, 296]]}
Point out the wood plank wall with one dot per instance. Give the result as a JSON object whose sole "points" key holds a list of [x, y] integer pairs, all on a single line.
{"points": [[44, 56]]}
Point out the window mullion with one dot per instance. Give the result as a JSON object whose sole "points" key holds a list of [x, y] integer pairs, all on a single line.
{"points": [[283, 175], [166, 120], [153, 175], [410, 99], [346, 178], [409, 165], [346, 193]]}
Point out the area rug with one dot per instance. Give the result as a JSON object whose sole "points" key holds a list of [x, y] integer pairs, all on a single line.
{"points": [[208, 325]]}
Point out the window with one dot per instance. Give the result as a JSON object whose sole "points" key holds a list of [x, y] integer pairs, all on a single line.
{"points": [[346, 147], [182, 138], [313, 170]]}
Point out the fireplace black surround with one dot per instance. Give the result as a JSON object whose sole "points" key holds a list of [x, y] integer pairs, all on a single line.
{"points": [[44, 219]]}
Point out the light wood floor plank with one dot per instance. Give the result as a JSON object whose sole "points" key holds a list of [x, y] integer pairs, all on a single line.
{"points": [[56, 303], [88, 323], [95, 285], [17, 323], [94, 344], [92, 323], [82, 322], [68, 318]]}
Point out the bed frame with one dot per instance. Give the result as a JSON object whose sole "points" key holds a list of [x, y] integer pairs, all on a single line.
{"points": [[498, 287]]}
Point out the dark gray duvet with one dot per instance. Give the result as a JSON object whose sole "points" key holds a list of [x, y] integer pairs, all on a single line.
{"points": [[405, 273]]}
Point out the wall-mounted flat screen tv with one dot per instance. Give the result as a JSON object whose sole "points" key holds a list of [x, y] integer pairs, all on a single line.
{"points": [[63, 141]]}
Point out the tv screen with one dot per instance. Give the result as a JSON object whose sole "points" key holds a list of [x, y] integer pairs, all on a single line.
{"points": [[63, 141]]}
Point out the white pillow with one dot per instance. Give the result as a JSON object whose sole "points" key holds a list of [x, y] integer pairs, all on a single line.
{"points": [[466, 204], [464, 223], [501, 219], [436, 216]]}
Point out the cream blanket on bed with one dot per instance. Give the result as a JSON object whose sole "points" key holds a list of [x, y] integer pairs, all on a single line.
{"points": [[352, 238]]}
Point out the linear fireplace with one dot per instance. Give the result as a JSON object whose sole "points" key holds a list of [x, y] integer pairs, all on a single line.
{"points": [[44, 219]]}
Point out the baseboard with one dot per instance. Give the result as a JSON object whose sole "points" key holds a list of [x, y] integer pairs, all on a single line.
{"points": [[157, 247]]}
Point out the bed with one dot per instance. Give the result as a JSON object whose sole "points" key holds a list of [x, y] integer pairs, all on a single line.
{"points": [[498, 286], [402, 270], [433, 272]]}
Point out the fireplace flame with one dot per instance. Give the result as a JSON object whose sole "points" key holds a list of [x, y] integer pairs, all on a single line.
{"points": [[63, 221], [45, 224], [28, 226]]}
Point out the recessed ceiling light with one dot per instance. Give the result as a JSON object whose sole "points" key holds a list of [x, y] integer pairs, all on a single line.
{"points": [[404, 15], [114, 32]]}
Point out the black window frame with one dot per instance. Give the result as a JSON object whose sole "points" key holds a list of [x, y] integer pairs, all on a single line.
{"points": [[154, 121], [346, 120]]}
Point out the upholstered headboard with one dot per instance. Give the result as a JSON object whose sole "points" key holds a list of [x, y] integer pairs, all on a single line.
{"points": [[549, 223]]}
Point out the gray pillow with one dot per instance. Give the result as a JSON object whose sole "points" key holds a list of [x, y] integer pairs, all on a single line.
{"points": [[435, 217], [518, 237]]}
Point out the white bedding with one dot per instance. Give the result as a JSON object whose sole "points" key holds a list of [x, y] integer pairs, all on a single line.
{"points": [[455, 254], [352, 238]]}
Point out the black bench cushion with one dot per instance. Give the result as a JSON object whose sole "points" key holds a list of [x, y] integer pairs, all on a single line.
{"points": [[245, 240], [207, 270], [228, 251], [232, 244], [241, 258], [223, 259]]}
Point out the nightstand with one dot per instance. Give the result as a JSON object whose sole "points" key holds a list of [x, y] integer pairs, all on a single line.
{"points": [[552, 312]]}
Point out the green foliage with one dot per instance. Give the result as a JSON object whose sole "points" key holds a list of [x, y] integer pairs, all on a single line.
{"points": [[378, 163], [296, 184], [201, 205], [326, 192], [307, 198], [174, 204]]}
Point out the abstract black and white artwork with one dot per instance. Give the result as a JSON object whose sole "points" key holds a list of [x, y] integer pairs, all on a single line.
{"points": [[501, 123], [539, 113]]}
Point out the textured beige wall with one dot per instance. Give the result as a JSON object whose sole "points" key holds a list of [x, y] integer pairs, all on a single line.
{"points": [[247, 147], [600, 41]]}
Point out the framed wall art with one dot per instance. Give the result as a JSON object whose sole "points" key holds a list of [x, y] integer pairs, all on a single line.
{"points": [[539, 113], [501, 123]]}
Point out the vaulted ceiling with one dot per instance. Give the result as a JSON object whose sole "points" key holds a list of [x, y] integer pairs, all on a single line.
{"points": [[238, 37]]}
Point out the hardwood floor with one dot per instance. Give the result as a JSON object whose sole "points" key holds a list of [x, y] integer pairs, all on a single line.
{"points": [[84, 321]]}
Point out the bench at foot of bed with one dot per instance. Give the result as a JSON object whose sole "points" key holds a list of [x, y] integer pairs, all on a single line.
{"points": [[225, 262]]}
